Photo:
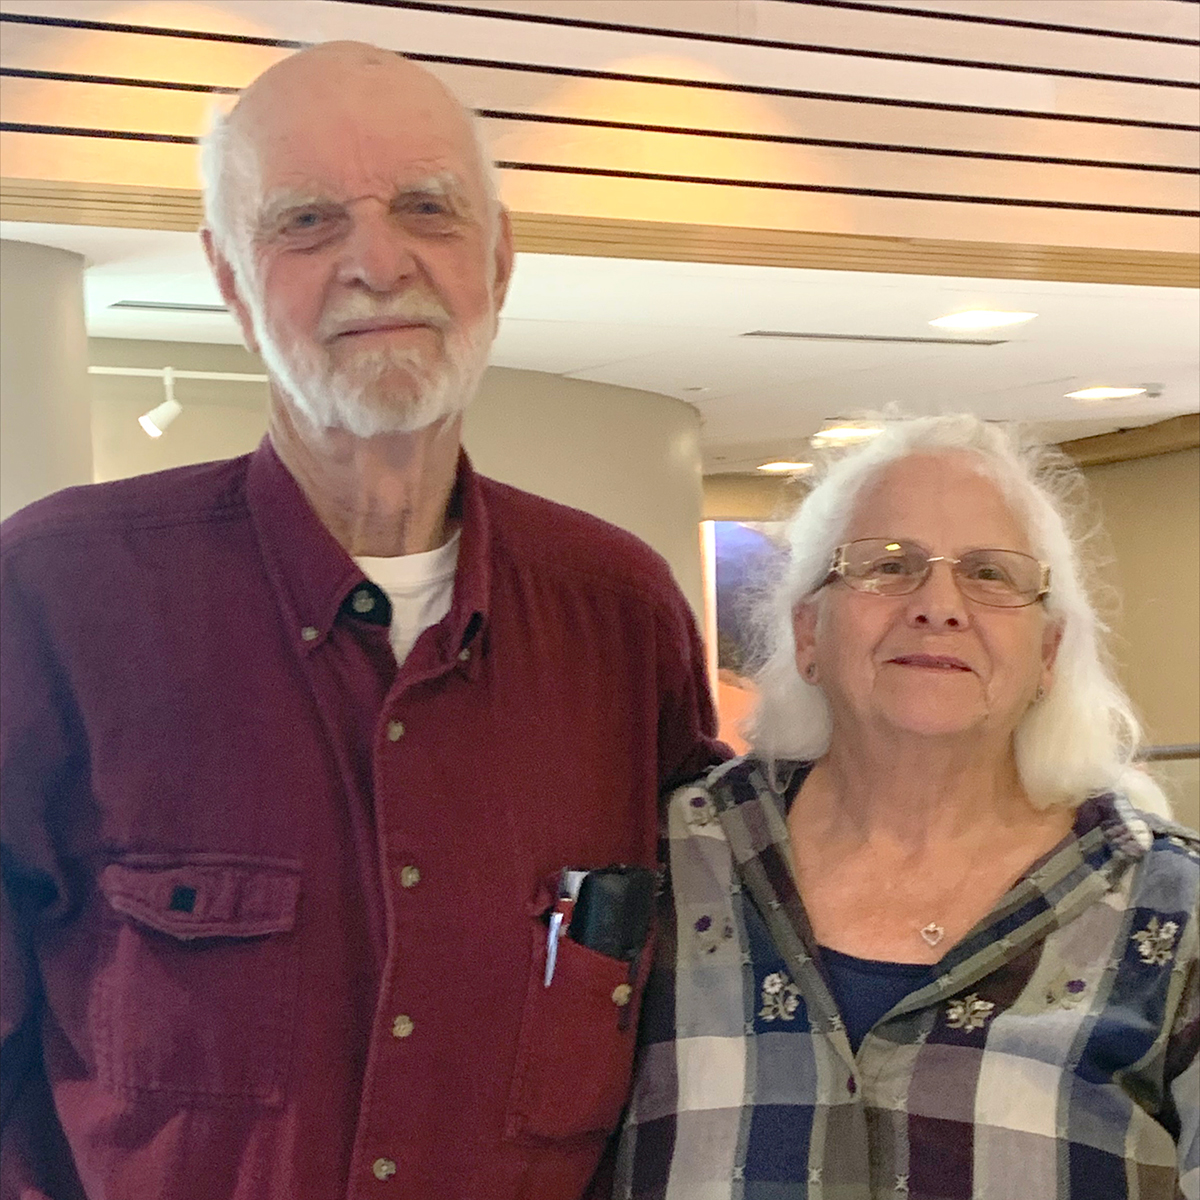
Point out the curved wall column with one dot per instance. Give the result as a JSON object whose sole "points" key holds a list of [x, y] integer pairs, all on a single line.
{"points": [[45, 416], [628, 456]]}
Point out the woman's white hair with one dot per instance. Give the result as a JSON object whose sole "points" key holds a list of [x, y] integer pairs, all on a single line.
{"points": [[1079, 739]]}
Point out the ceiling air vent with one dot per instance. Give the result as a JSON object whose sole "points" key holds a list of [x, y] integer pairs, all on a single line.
{"points": [[872, 337], [168, 306]]}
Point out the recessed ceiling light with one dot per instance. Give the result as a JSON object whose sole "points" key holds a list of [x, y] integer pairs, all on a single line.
{"points": [[843, 435], [785, 468], [1106, 393], [980, 318]]}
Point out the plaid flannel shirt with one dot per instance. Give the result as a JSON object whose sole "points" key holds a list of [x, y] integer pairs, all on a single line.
{"points": [[1053, 1055]]}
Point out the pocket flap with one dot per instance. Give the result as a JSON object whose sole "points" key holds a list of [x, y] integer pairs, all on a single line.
{"points": [[205, 895]]}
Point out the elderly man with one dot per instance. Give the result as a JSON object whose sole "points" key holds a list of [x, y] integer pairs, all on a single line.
{"points": [[297, 747]]}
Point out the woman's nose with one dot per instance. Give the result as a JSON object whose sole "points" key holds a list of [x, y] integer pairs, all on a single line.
{"points": [[938, 603]]}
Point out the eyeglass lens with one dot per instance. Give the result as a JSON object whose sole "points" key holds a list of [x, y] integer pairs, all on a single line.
{"points": [[1006, 578]]}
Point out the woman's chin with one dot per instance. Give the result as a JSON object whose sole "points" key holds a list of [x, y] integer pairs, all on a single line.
{"points": [[937, 721]]}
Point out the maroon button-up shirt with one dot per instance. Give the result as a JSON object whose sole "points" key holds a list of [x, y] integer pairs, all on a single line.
{"points": [[273, 908]]}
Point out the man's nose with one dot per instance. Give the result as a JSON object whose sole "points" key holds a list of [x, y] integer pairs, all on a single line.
{"points": [[938, 603], [377, 254]]}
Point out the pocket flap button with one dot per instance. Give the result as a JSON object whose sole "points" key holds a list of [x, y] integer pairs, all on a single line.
{"points": [[383, 1169], [183, 899]]}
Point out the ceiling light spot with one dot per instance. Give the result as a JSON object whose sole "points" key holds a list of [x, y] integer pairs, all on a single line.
{"points": [[1106, 393], [847, 434], [785, 468], [980, 318]]}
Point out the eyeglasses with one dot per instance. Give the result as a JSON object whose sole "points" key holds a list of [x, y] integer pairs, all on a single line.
{"points": [[886, 567]]}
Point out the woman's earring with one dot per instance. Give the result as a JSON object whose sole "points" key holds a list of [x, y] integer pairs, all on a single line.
{"points": [[1039, 695], [810, 673]]}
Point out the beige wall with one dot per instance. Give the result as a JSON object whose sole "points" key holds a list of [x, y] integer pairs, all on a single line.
{"points": [[740, 497], [630, 457], [1151, 513]]}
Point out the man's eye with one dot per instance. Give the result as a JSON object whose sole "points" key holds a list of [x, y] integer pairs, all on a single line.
{"points": [[302, 222], [890, 566], [426, 208]]}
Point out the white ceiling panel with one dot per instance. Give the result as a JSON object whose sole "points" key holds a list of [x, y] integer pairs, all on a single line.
{"points": [[675, 328]]}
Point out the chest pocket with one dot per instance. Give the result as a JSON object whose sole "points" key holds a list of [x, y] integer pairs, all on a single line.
{"points": [[195, 991], [575, 1053]]}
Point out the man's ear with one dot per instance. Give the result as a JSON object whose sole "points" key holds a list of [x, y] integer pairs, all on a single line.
{"points": [[226, 278], [804, 633], [504, 259]]}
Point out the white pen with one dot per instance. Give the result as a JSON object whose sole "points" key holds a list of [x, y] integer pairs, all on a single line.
{"points": [[569, 882]]}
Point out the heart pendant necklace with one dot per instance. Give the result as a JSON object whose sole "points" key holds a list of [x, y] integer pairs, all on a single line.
{"points": [[933, 933]]}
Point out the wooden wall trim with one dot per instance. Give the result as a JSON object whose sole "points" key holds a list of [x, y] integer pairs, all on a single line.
{"points": [[179, 209], [1163, 437]]}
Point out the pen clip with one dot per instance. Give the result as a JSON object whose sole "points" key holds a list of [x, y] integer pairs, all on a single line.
{"points": [[569, 882], [552, 936]]}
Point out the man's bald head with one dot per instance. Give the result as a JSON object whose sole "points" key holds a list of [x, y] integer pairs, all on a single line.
{"points": [[355, 234], [322, 92]]}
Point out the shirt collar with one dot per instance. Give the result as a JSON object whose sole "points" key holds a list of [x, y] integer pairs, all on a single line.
{"points": [[312, 573], [1107, 836]]}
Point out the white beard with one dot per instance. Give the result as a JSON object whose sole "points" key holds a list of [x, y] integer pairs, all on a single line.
{"points": [[381, 390]]}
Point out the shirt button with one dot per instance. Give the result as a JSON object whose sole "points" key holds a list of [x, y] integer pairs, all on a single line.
{"points": [[464, 656], [402, 1026], [621, 994], [395, 731], [309, 634], [851, 1086], [383, 1168], [362, 601], [410, 876]]}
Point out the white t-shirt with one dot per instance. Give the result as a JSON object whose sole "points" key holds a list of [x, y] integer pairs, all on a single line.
{"points": [[420, 587]]}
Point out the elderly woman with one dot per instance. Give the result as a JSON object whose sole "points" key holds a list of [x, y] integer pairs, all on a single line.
{"points": [[922, 943]]}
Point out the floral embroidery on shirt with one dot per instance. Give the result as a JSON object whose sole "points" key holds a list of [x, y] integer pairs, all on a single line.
{"points": [[780, 998], [968, 1013], [710, 934], [1064, 992], [1155, 942]]}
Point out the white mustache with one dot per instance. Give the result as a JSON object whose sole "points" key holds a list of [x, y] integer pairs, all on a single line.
{"points": [[414, 309]]}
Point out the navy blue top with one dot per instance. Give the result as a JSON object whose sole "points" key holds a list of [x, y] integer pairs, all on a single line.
{"points": [[866, 989]]}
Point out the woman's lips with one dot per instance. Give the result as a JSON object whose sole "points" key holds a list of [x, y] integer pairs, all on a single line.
{"points": [[934, 662]]}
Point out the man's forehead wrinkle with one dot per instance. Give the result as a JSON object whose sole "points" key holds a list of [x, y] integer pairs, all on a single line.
{"points": [[304, 192]]}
